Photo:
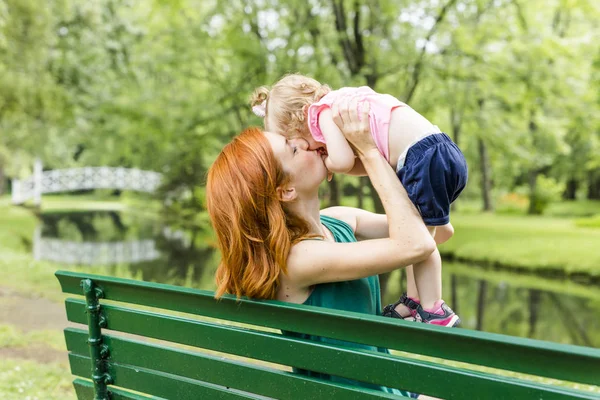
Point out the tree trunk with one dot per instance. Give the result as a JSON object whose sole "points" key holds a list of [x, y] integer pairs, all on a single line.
{"points": [[533, 174], [383, 282], [571, 189], [456, 119], [594, 185], [486, 183], [481, 304], [1, 179], [402, 280], [532, 180], [534, 306], [377, 204], [334, 191], [577, 332], [360, 194], [484, 162], [453, 293]]}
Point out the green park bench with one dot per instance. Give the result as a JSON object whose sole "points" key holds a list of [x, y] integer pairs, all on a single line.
{"points": [[144, 367]]}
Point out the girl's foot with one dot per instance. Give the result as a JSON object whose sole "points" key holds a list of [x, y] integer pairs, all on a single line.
{"points": [[404, 308], [411, 310], [439, 314]]}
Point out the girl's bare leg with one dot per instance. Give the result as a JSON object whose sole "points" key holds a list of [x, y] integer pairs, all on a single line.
{"points": [[411, 291], [424, 282], [411, 285], [428, 278], [427, 275]]}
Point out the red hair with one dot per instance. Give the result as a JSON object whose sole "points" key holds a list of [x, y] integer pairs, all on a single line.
{"points": [[254, 230]]}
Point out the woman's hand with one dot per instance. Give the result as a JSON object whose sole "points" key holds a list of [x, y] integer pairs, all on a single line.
{"points": [[355, 128]]}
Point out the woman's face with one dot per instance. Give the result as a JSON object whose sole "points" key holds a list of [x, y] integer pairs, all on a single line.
{"points": [[305, 167]]}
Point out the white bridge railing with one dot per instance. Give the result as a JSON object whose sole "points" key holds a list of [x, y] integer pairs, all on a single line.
{"points": [[72, 179], [100, 253], [89, 253]]}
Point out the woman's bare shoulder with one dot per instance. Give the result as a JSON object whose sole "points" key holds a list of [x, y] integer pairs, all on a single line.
{"points": [[346, 214]]}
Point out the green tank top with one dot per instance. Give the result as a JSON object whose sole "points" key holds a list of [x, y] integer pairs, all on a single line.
{"points": [[360, 295]]}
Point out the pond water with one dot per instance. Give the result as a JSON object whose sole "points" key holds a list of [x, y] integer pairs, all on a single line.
{"points": [[500, 302]]}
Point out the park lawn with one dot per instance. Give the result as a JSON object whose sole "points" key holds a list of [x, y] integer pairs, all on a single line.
{"points": [[504, 206], [579, 208], [528, 242], [25, 379]]}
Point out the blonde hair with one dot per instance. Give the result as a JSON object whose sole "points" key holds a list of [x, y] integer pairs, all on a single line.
{"points": [[287, 102]]}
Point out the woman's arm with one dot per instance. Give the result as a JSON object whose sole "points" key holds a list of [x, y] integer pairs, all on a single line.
{"points": [[312, 261], [340, 157], [366, 224]]}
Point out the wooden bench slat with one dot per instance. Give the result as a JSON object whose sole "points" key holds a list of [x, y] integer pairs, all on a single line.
{"points": [[85, 391], [370, 367], [242, 376], [559, 361], [159, 384]]}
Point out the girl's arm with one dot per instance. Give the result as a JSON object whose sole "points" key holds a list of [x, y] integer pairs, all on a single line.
{"points": [[340, 157], [358, 169], [408, 240]]}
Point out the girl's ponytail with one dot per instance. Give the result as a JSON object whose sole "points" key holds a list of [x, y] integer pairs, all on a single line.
{"points": [[258, 101]]}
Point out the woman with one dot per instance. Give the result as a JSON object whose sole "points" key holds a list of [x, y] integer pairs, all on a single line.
{"points": [[262, 197]]}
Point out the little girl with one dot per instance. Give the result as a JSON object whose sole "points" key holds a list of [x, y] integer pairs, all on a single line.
{"points": [[430, 166]]}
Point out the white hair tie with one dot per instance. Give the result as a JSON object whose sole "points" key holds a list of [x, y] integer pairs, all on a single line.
{"points": [[260, 109]]}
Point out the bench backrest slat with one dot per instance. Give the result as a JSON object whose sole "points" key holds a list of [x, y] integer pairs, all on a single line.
{"points": [[85, 391], [216, 370], [365, 366], [166, 386], [565, 362]]}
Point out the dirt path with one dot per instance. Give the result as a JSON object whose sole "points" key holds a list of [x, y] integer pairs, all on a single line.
{"points": [[29, 313], [40, 354]]}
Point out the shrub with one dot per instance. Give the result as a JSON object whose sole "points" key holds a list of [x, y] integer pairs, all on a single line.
{"points": [[592, 222], [547, 190], [512, 203]]}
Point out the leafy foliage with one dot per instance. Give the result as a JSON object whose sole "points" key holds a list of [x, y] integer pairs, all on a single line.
{"points": [[163, 85]]}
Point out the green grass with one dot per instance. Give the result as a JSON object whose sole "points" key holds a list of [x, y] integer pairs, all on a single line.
{"points": [[593, 222], [22, 379], [132, 202], [11, 336], [517, 205], [101, 201], [528, 242], [580, 208]]}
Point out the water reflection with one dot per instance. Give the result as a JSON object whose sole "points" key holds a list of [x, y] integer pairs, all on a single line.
{"points": [[146, 247], [518, 305], [492, 301]]}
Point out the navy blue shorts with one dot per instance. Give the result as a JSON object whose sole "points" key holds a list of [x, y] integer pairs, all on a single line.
{"points": [[434, 174]]}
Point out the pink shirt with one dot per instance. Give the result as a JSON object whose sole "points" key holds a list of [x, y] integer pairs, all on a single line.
{"points": [[380, 113]]}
